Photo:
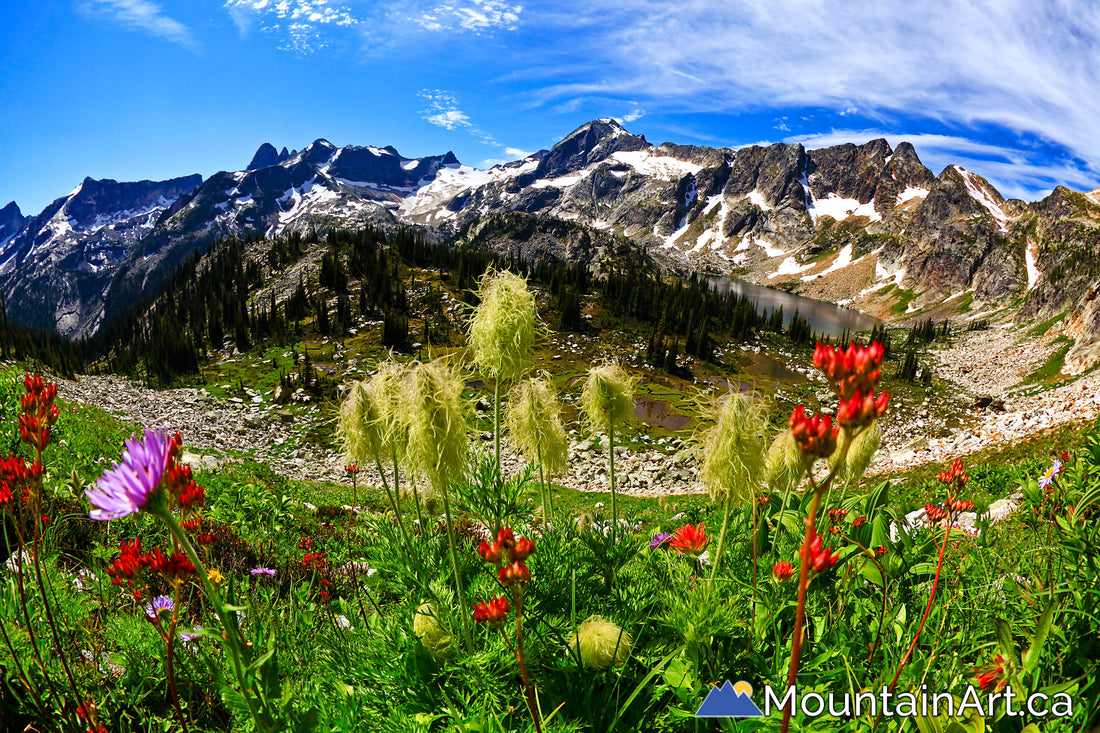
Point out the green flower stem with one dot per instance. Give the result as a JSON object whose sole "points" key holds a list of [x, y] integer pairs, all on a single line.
{"points": [[611, 477], [169, 642], [394, 500], [232, 638], [458, 573], [496, 450], [21, 586], [721, 536]]}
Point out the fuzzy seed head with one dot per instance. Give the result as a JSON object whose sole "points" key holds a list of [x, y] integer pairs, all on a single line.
{"points": [[601, 643], [733, 448], [431, 633], [860, 452], [434, 417], [784, 463], [504, 326], [533, 418], [384, 390], [357, 424], [608, 396]]}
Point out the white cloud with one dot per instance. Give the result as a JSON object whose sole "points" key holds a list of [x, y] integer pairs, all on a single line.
{"points": [[145, 16], [441, 109], [470, 15], [516, 153], [301, 25], [637, 114], [1018, 64]]}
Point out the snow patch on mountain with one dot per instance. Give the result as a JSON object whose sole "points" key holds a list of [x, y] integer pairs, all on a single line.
{"points": [[1032, 267], [662, 167], [757, 199], [790, 266], [841, 208], [910, 193]]}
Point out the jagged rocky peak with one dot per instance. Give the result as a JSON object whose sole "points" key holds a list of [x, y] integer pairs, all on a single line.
{"points": [[385, 166], [589, 143], [318, 152], [96, 200], [958, 192], [11, 220], [871, 172], [267, 156], [774, 172]]}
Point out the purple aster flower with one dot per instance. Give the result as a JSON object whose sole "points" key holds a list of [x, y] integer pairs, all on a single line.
{"points": [[189, 636], [1048, 478], [160, 604], [263, 571], [125, 489], [660, 540]]}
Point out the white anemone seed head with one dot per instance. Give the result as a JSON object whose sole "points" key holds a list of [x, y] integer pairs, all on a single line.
{"points": [[533, 419], [733, 448], [601, 643], [608, 396], [357, 424], [434, 416], [858, 456], [784, 463], [504, 326], [384, 389]]}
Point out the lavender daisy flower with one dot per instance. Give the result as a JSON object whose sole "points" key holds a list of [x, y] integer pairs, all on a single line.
{"points": [[263, 571], [660, 540], [1048, 478], [125, 489], [160, 604]]}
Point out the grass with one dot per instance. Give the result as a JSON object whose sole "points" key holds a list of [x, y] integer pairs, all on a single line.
{"points": [[904, 298], [1040, 329], [1051, 369]]}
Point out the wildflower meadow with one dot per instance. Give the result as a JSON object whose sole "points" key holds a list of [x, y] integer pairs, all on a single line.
{"points": [[442, 593]]}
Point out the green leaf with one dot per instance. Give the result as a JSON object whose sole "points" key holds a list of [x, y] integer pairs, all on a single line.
{"points": [[871, 573], [1004, 638], [877, 498], [1031, 658], [880, 531]]}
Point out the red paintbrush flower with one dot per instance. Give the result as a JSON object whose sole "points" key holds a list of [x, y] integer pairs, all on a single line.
{"points": [[494, 612], [690, 540]]}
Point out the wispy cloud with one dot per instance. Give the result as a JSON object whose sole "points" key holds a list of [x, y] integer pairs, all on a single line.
{"points": [[441, 109], [301, 25], [1015, 64], [470, 15], [143, 15], [1016, 172]]}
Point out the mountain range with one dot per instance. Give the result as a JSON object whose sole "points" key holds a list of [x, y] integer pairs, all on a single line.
{"points": [[867, 226]]}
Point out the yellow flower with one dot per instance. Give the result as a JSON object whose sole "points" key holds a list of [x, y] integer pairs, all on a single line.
{"points": [[214, 576]]}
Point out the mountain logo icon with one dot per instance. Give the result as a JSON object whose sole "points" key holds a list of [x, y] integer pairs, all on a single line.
{"points": [[729, 701]]}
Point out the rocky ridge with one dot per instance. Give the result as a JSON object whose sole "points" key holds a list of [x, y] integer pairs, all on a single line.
{"points": [[863, 225]]}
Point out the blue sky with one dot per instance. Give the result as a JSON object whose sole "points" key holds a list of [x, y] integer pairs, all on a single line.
{"points": [[132, 89]]}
